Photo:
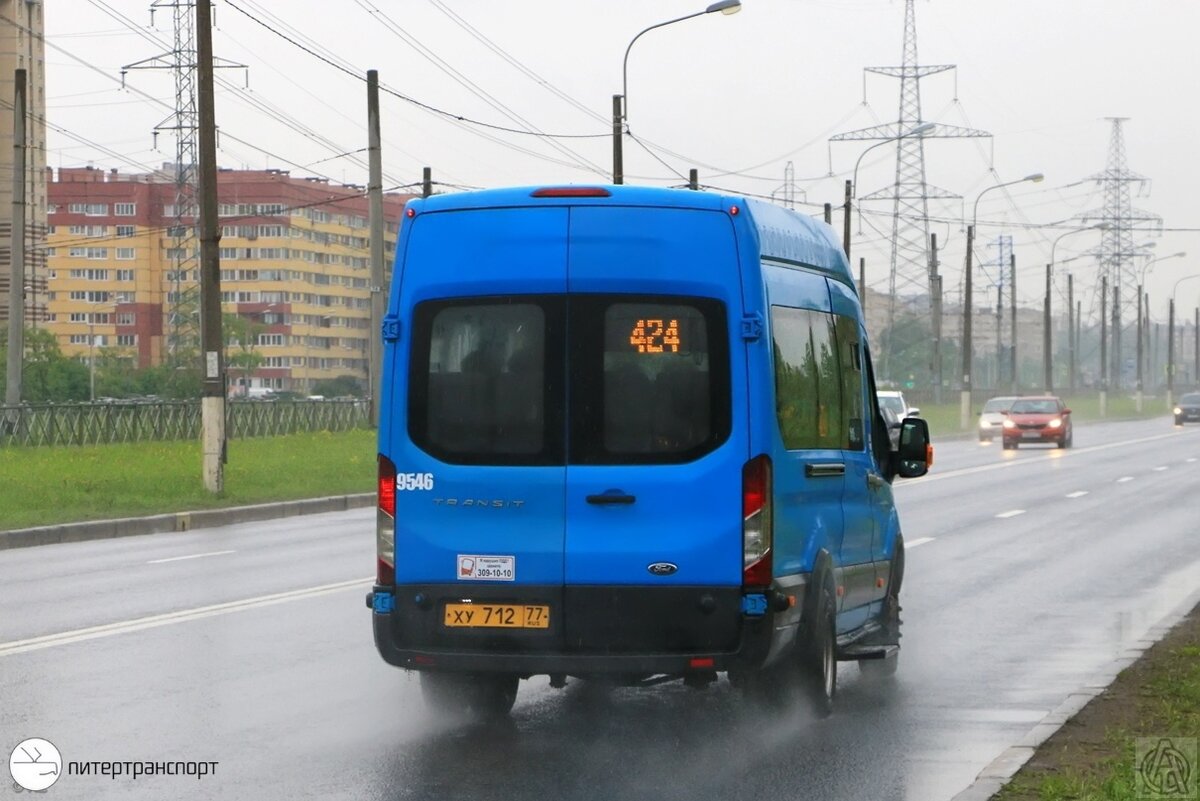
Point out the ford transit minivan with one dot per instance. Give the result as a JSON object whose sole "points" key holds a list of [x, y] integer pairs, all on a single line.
{"points": [[631, 434]]}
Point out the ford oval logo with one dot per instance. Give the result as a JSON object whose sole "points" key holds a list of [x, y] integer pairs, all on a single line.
{"points": [[662, 568]]}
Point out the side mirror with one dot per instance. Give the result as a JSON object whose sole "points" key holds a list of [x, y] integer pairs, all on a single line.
{"points": [[914, 456], [1066, 411], [914, 412]]}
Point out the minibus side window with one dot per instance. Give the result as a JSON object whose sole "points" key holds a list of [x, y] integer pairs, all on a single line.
{"points": [[850, 363], [808, 381], [479, 389], [649, 379]]}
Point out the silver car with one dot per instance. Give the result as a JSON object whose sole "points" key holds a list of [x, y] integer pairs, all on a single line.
{"points": [[991, 419]]}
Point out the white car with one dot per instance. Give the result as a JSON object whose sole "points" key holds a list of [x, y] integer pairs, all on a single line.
{"points": [[894, 409], [991, 418], [894, 400]]}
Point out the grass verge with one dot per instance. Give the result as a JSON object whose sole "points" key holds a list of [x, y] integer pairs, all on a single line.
{"points": [[1154, 704], [43, 486]]}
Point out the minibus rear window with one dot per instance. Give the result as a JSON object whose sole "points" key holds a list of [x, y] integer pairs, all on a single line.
{"points": [[481, 391], [649, 379]]}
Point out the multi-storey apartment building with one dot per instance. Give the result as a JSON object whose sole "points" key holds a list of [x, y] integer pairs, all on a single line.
{"points": [[294, 268], [22, 46]]}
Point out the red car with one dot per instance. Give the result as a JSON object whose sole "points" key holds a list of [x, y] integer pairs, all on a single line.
{"points": [[1038, 419]]}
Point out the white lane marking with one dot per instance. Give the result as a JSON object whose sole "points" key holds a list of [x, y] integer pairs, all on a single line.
{"points": [[1011, 513], [1123, 479], [154, 621], [1192, 459], [918, 541], [1077, 494], [193, 556], [1160, 468], [1054, 454]]}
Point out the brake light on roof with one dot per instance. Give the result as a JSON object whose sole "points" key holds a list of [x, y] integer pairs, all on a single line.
{"points": [[756, 522], [572, 191], [385, 524]]}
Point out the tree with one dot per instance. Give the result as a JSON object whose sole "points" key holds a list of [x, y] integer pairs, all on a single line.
{"points": [[241, 336], [342, 386], [47, 374]]}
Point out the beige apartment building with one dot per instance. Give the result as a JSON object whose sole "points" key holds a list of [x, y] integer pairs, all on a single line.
{"points": [[22, 47], [295, 268]]}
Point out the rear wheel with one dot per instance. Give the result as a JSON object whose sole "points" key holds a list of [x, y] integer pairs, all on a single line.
{"points": [[818, 657], [476, 696]]}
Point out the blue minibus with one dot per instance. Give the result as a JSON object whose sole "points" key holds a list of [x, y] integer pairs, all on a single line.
{"points": [[630, 434]]}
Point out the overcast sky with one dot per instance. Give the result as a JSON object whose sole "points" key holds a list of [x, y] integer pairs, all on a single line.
{"points": [[735, 96]]}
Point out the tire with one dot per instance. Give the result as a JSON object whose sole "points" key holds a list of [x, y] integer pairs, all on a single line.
{"points": [[1009, 446], [471, 696], [818, 654]]}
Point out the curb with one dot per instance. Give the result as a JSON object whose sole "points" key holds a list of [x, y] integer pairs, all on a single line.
{"points": [[178, 521], [1000, 770]]}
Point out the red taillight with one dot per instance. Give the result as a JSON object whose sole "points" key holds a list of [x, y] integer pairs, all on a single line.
{"points": [[385, 524], [387, 485], [572, 191], [701, 662], [756, 522], [385, 574]]}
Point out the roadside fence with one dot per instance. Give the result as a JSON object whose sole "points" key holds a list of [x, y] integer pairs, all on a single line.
{"points": [[104, 423]]}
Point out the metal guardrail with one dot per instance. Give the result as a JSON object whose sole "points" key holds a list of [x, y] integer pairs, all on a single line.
{"points": [[53, 424]]}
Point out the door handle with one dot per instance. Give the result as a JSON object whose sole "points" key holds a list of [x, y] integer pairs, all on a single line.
{"points": [[875, 481], [824, 469], [612, 497]]}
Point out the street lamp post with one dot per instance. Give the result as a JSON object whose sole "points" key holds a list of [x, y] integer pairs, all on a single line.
{"points": [[621, 101], [919, 130], [1171, 349], [965, 405], [1047, 341], [1143, 322]]}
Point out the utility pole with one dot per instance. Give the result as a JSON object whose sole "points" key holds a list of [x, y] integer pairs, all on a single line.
{"points": [[862, 284], [1171, 353], [1071, 333], [426, 181], [618, 154], [1103, 345], [1140, 387], [1115, 355], [846, 221], [375, 203], [1012, 296], [1078, 329], [999, 332], [829, 214], [212, 391], [693, 179], [16, 281], [965, 398], [935, 290], [1047, 361]]}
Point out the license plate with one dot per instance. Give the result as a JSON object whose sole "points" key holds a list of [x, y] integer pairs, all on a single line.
{"points": [[1032, 435], [497, 616]]}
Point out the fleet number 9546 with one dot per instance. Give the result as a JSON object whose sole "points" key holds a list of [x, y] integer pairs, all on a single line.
{"points": [[414, 481]]}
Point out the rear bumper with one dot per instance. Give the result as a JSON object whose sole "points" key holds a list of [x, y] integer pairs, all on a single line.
{"points": [[594, 630], [1044, 435]]}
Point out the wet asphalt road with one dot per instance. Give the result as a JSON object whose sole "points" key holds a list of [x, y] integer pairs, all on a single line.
{"points": [[249, 645]]}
